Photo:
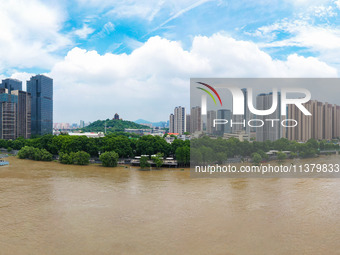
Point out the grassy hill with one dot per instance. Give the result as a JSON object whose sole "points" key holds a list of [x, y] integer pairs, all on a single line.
{"points": [[112, 126]]}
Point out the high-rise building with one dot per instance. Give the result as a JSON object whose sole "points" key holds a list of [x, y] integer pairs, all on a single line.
{"points": [[41, 89], [179, 120], [211, 115], [188, 129], [327, 121], [81, 124], [243, 118], [336, 121], [8, 115], [171, 123], [323, 123], [223, 114], [11, 84], [317, 113], [271, 130], [195, 119], [23, 121]]}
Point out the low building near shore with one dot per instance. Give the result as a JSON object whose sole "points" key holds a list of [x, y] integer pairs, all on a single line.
{"points": [[89, 134]]}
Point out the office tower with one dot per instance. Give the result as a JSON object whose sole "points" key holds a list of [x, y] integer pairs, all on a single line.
{"points": [[195, 119], [8, 115], [187, 121], [11, 84], [179, 120], [41, 89], [271, 130], [239, 124], [244, 118], [171, 123], [23, 121], [223, 114], [211, 115], [81, 124], [116, 117]]}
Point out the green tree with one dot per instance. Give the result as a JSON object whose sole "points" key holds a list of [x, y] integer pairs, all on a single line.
{"points": [[293, 155], [109, 158], [80, 158], [195, 156], [256, 158], [44, 155], [26, 152], [208, 155], [144, 162], [158, 159], [65, 158], [183, 155], [281, 156], [263, 154], [221, 157]]}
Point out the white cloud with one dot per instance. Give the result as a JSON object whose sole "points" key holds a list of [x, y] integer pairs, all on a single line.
{"points": [[307, 3], [324, 11], [29, 34], [317, 38], [180, 13], [106, 30], [145, 9], [323, 40], [84, 31], [22, 76], [154, 78], [337, 3]]}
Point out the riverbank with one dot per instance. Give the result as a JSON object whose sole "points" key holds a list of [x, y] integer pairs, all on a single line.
{"points": [[56, 165]]}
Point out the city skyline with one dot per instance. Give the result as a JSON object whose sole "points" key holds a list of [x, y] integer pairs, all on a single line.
{"points": [[26, 113], [323, 124]]}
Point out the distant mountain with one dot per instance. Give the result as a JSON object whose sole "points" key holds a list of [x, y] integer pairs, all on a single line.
{"points": [[140, 121], [112, 126], [154, 124]]}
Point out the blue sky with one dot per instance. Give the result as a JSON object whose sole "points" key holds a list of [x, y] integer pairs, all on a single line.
{"points": [[136, 57]]}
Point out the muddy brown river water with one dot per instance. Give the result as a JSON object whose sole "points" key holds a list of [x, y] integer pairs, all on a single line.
{"points": [[49, 208]]}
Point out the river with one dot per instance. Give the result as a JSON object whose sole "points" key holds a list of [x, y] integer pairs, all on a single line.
{"points": [[49, 208]]}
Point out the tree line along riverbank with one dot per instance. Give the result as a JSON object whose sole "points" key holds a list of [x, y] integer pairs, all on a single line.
{"points": [[79, 149]]}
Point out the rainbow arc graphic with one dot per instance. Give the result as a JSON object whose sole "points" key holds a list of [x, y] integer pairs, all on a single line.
{"points": [[209, 93]]}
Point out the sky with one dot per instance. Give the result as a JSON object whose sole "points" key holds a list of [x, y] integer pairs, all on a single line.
{"points": [[136, 57]]}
